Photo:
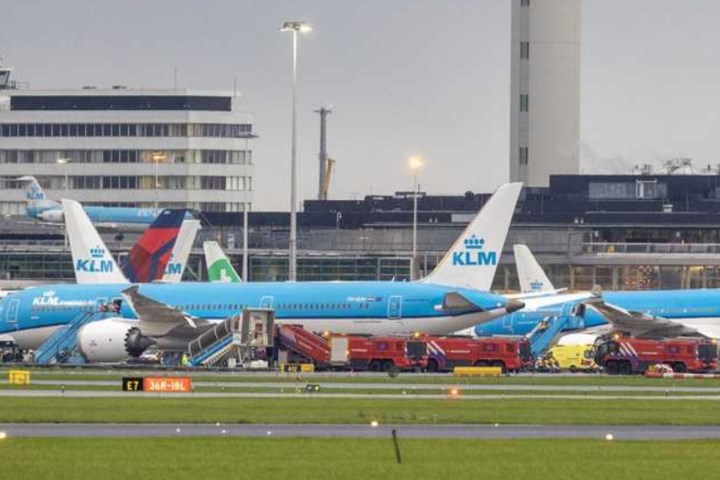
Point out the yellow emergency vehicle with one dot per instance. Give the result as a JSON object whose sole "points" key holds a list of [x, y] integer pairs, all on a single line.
{"points": [[573, 357]]}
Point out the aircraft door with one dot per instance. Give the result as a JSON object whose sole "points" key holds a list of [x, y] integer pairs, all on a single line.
{"points": [[395, 307], [266, 302], [11, 316]]}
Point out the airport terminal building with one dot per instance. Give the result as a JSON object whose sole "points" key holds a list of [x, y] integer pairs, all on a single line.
{"points": [[127, 147], [617, 231]]}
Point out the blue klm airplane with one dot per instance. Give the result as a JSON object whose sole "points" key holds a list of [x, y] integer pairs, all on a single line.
{"points": [[170, 316], [644, 314], [40, 207]]}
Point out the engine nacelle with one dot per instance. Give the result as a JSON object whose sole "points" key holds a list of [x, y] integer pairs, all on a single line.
{"points": [[52, 216], [107, 340]]}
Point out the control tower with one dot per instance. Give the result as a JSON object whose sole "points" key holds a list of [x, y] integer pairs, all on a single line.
{"points": [[545, 90]]}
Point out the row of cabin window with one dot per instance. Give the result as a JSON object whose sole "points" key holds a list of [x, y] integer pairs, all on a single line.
{"points": [[236, 307]]}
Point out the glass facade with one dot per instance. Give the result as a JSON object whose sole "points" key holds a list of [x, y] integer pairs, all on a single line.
{"points": [[217, 130]]}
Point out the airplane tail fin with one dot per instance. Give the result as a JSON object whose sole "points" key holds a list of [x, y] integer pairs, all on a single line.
{"points": [[181, 251], [35, 196], [150, 255], [530, 274], [218, 264], [92, 261], [472, 260]]}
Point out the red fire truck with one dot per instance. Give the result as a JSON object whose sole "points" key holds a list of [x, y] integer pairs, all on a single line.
{"points": [[381, 354], [445, 353], [377, 354], [626, 355], [354, 352]]}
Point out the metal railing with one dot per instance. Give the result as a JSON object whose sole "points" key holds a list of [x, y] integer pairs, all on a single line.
{"points": [[650, 248]]}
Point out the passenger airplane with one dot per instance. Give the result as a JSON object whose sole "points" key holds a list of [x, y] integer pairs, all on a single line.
{"points": [[46, 210], [169, 316], [644, 314]]}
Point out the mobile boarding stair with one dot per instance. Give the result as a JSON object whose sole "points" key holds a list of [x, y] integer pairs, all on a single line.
{"points": [[233, 338], [545, 333], [215, 346], [61, 346]]}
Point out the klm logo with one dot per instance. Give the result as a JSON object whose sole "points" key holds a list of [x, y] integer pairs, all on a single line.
{"points": [[173, 268], [536, 285], [35, 193], [474, 255], [95, 264]]}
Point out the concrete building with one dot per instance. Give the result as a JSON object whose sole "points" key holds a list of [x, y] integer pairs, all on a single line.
{"points": [[545, 90], [127, 147]]}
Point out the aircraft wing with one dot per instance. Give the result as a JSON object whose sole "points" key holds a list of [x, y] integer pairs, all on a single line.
{"points": [[156, 319], [526, 295], [639, 324]]}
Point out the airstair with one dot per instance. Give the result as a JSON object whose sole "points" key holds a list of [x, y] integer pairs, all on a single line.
{"points": [[545, 333], [294, 338], [61, 346], [215, 345]]}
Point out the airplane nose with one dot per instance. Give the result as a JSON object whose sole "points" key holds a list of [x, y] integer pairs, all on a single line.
{"points": [[513, 305]]}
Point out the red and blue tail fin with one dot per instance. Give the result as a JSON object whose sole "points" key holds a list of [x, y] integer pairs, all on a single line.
{"points": [[150, 255]]}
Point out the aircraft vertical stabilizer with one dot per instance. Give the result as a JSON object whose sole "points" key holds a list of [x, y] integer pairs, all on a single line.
{"points": [[150, 255], [473, 259], [218, 265], [530, 274], [92, 260], [37, 201], [181, 251]]}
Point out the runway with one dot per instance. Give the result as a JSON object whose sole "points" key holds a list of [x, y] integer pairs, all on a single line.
{"points": [[357, 396], [599, 432]]}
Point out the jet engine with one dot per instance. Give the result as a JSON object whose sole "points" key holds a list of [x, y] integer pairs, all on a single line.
{"points": [[52, 216], [112, 340]]}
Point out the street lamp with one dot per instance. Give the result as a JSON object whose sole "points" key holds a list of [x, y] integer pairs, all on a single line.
{"points": [[415, 164], [64, 162], [157, 157], [246, 186], [294, 27]]}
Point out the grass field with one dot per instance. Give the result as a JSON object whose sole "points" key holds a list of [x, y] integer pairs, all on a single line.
{"points": [[308, 458], [331, 410]]}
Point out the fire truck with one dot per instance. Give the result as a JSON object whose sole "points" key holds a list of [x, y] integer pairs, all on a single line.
{"points": [[510, 354], [382, 354], [352, 352], [626, 355]]}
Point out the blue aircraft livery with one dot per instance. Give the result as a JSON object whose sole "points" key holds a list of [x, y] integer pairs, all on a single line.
{"points": [[699, 309], [40, 207], [181, 312]]}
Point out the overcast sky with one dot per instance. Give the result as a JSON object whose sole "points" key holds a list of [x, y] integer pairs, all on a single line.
{"points": [[405, 77]]}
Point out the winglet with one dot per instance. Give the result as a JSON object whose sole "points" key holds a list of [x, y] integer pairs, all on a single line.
{"points": [[92, 261], [472, 260], [530, 274]]}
